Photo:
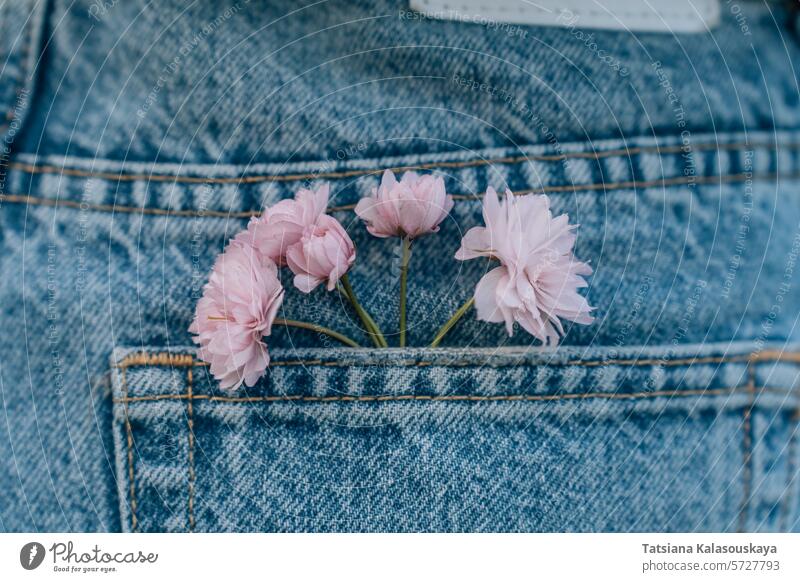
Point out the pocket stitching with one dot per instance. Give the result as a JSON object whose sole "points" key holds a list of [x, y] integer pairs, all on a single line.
{"points": [[190, 424], [458, 397], [181, 359], [131, 472]]}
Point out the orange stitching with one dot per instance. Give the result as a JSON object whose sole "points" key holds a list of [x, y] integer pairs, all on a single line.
{"points": [[747, 461], [157, 359], [775, 356], [676, 181], [183, 359], [129, 434], [657, 362], [443, 398], [190, 422], [74, 204], [49, 169]]}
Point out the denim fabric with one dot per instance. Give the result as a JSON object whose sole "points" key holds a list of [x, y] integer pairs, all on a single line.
{"points": [[462, 440], [188, 84], [128, 171]]}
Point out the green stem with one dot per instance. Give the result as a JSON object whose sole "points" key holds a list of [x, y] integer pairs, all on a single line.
{"points": [[317, 328], [372, 328], [403, 281], [452, 321]]}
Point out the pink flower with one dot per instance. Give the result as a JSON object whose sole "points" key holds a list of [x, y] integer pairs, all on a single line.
{"points": [[282, 225], [412, 207], [236, 311], [538, 279], [325, 252]]}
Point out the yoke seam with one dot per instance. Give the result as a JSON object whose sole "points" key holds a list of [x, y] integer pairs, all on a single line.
{"points": [[505, 160], [244, 214]]}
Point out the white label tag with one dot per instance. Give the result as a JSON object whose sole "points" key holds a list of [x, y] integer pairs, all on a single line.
{"points": [[632, 15]]}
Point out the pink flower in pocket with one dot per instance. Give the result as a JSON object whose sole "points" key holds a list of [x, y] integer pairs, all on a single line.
{"points": [[283, 225], [410, 208], [325, 252], [238, 307], [537, 282]]}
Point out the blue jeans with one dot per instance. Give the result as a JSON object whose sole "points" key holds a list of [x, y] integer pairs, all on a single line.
{"points": [[140, 138]]}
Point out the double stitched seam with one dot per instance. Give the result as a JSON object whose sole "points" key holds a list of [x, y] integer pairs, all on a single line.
{"points": [[747, 447], [664, 182], [190, 422], [451, 397], [129, 437], [507, 160], [178, 359], [791, 469]]}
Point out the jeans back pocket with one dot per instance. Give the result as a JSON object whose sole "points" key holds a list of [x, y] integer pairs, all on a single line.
{"points": [[661, 439]]}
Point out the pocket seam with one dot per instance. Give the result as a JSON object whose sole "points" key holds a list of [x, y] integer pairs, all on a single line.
{"points": [[190, 459], [181, 359], [129, 438], [457, 397], [177, 359]]}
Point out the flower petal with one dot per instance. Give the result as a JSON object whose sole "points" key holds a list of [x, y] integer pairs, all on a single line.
{"points": [[486, 294]]}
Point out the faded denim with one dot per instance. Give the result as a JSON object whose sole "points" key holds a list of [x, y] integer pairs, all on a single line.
{"points": [[127, 171], [460, 440]]}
